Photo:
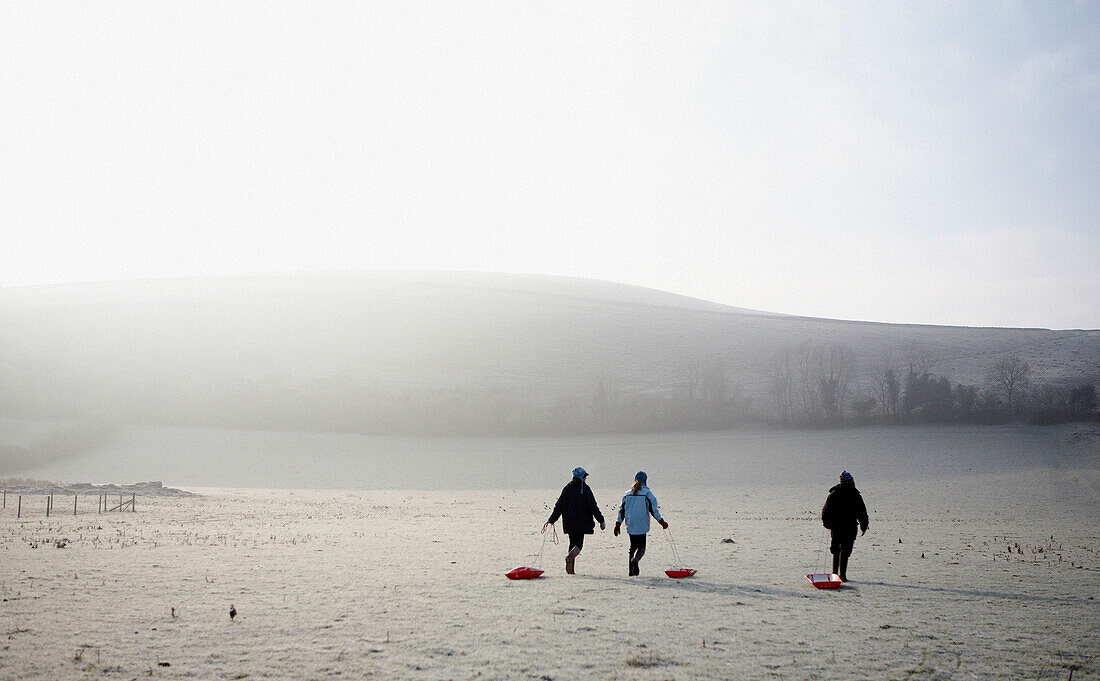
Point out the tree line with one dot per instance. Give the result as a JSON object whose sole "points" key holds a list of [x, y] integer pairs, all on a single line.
{"points": [[812, 385], [819, 385]]}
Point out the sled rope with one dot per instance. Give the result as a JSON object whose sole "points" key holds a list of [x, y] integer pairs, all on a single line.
{"points": [[553, 537], [672, 543], [826, 567]]}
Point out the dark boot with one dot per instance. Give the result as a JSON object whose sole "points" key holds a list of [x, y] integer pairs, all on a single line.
{"points": [[836, 564], [570, 560], [844, 567]]}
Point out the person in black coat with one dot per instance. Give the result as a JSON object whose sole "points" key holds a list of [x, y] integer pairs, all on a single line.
{"points": [[577, 508], [844, 512]]}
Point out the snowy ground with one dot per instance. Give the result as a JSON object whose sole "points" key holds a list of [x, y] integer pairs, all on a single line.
{"points": [[988, 574]]}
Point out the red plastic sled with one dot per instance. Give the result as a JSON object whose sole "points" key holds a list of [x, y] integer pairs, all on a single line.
{"points": [[680, 573], [524, 573], [822, 580]]}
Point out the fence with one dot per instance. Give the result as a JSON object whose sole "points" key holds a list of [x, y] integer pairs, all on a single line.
{"points": [[105, 503]]}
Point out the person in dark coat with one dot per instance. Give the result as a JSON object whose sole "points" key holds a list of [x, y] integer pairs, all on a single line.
{"points": [[579, 512], [843, 513]]}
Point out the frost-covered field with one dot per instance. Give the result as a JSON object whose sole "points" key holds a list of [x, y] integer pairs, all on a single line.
{"points": [[987, 567]]}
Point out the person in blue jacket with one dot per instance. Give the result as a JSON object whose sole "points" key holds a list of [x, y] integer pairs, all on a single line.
{"points": [[638, 504]]}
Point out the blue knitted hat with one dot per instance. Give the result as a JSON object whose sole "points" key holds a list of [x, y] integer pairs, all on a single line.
{"points": [[641, 477]]}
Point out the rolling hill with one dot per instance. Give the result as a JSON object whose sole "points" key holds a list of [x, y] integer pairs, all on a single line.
{"points": [[434, 352]]}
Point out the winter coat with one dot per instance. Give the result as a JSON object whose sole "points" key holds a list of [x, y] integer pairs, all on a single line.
{"points": [[636, 509], [577, 507], [844, 510]]}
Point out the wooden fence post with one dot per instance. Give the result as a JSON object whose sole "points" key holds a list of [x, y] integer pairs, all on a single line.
{"points": [[49, 500], [74, 504], [19, 512], [133, 502]]}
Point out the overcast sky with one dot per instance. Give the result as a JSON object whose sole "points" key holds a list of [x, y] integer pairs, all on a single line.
{"points": [[923, 162]]}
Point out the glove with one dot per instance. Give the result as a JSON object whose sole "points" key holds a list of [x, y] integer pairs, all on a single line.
{"points": [[616, 530], [602, 527], [664, 524]]}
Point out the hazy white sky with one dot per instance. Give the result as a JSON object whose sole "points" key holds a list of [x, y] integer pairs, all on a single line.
{"points": [[922, 162]]}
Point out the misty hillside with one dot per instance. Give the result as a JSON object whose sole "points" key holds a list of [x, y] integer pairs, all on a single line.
{"points": [[457, 353]]}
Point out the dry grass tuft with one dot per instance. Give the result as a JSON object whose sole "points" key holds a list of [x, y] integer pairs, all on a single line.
{"points": [[647, 661]]}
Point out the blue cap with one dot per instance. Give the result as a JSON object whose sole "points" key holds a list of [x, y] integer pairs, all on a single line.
{"points": [[641, 477], [579, 472], [846, 477]]}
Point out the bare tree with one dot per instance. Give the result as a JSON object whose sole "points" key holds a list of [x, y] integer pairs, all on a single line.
{"points": [[888, 384], [1009, 378], [921, 360], [809, 380], [893, 391], [824, 372], [837, 365], [781, 383]]}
